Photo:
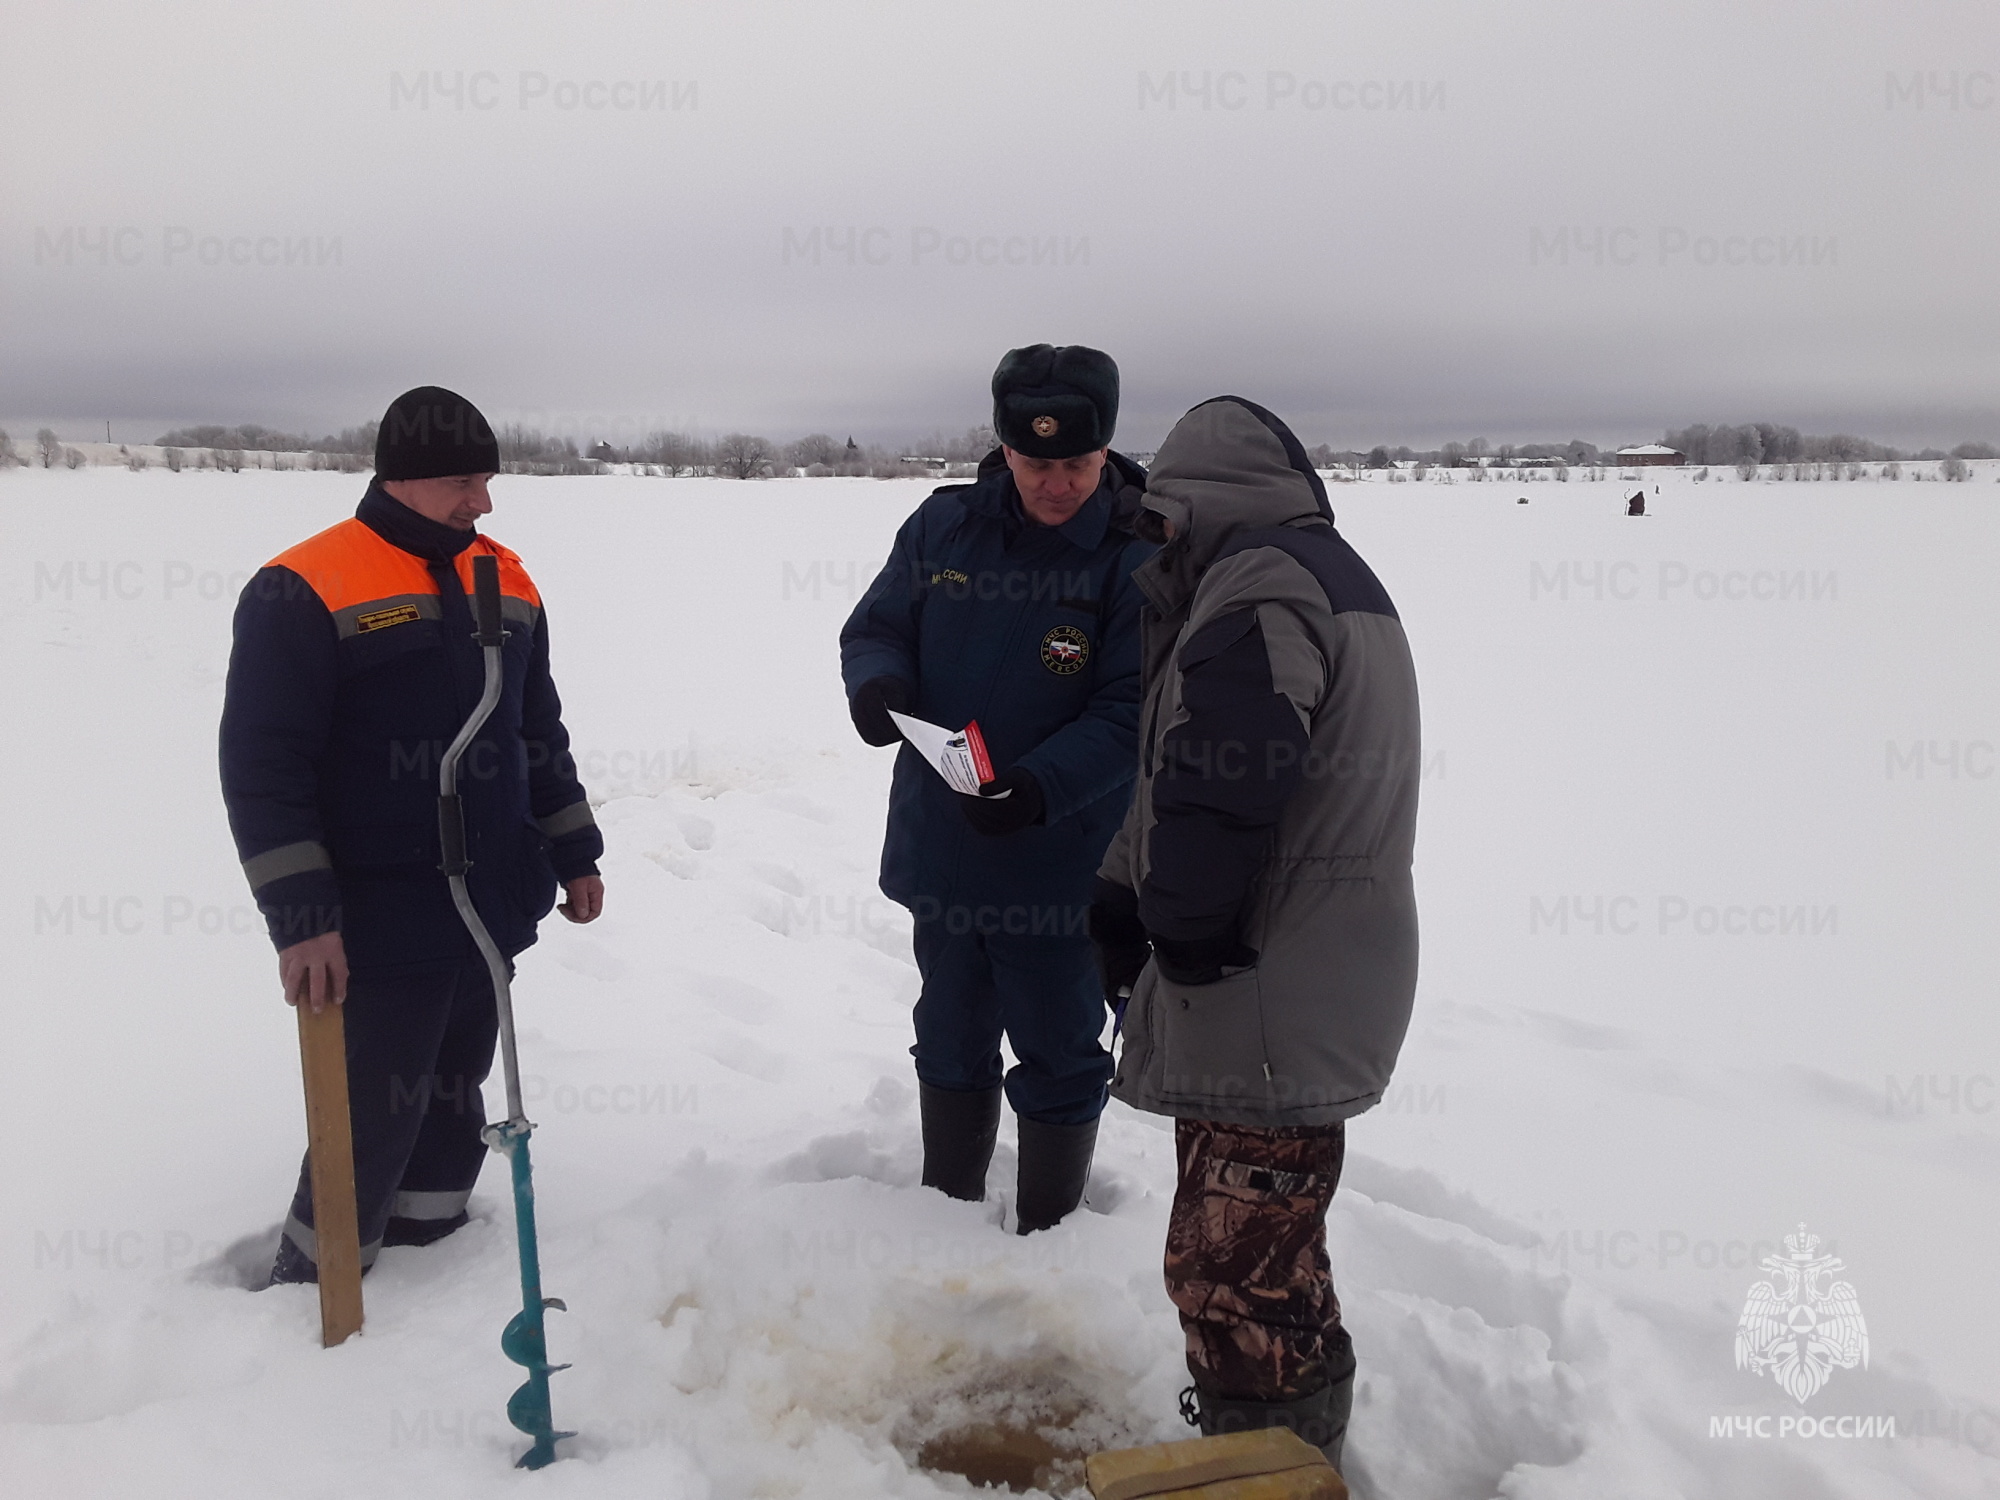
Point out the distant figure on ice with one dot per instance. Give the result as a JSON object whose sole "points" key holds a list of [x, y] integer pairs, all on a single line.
{"points": [[354, 665], [1259, 902], [1010, 600], [1636, 505]]}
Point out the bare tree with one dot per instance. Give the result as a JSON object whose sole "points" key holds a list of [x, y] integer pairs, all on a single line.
{"points": [[173, 458], [675, 452], [73, 458], [519, 444], [48, 447], [814, 448], [967, 448], [527, 450], [741, 455], [8, 457]]}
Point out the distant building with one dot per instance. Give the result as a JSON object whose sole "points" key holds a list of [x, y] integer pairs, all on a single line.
{"points": [[1644, 455]]}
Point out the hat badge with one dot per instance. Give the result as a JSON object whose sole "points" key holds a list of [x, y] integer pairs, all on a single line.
{"points": [[1045, 426]]}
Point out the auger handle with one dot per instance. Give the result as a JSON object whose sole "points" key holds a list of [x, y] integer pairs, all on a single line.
{"points": [[486, 599]]}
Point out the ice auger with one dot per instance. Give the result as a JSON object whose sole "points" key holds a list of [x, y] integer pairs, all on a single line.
{"points": [[523, 1341]]}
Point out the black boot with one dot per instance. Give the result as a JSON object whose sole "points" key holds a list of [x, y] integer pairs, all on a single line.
{"points": [[1340, 1367], [293, 1267], [1339, 1407], [1055, 1161], [1320, 1417], [959, 1130]]}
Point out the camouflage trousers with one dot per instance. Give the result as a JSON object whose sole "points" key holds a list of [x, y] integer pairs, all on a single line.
{"points": [[1246, 1258]]}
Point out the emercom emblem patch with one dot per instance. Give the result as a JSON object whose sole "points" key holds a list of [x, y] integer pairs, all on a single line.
{"points": [[382, 619], [1064, 650]]}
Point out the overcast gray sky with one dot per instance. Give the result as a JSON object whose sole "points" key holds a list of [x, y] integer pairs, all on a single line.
{"points": [[1401, 221]]}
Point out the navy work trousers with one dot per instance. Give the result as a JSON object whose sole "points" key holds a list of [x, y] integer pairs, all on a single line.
{"points": [[418, 1047], [1041, 992]]}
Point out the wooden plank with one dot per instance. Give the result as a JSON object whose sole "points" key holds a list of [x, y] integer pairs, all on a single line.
{"points": [[330, 1143], [1270, 1464]]}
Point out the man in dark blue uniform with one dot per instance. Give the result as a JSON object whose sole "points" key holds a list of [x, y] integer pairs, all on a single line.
{"points": [[1010, 601], [354, 665]]}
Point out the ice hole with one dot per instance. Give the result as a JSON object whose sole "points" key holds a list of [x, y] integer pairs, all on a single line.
{"points": [[1020, 1454], [1024, 1428]]}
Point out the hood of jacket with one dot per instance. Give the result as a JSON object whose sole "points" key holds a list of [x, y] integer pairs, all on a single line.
{"points": [[1228, 466]]}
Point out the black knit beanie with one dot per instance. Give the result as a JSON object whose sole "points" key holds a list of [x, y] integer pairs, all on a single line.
{"points": [[430, 432], [1051, 402]]}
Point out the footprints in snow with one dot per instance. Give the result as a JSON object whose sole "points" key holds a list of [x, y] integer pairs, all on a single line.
{"points": [[734, 998]]}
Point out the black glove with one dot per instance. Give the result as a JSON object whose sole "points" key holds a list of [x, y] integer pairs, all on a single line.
{"points": [[1119, 938], [871, 705], [994, 816], [1196, 961]]}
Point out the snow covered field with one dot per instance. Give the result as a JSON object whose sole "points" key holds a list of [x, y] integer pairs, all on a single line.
{"points": [[1708, 952]]}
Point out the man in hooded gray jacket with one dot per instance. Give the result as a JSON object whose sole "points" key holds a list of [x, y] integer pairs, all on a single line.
{"points": [[1255, 916]]}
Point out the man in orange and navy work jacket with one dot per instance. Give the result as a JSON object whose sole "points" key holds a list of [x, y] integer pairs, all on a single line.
{"points": [[353, 667]]}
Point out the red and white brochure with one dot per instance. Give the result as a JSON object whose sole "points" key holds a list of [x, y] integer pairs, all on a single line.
{"points": [[958, 755]]}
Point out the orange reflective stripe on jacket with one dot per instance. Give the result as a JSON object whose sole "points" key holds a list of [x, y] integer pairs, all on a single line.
{"points": [[369, 584]]}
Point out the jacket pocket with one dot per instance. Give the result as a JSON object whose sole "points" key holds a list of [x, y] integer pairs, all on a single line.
{"points": [[535, 876], [1214, 638], [379, 648], [1212, 1040]]}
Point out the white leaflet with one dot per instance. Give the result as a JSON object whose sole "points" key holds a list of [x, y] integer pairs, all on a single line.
{"points": [[958, 755]]}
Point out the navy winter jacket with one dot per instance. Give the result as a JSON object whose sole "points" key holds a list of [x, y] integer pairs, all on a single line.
{"points": [[1034, 632], [353, 667]]}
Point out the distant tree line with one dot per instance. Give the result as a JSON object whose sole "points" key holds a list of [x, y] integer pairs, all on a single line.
{"points": [[745, 455], [1725, 446], [528, 450], [741, 455], [250, 438], [1475, 453], [525, 450], [48, 452], [1767, 443]]}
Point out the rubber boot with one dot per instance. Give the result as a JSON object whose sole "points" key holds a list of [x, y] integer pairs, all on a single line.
{"points": [[1340, 1367], [1339, 1407], [293, 1267], [1055, 1161], [959, 1128], [1320, 1418]]}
